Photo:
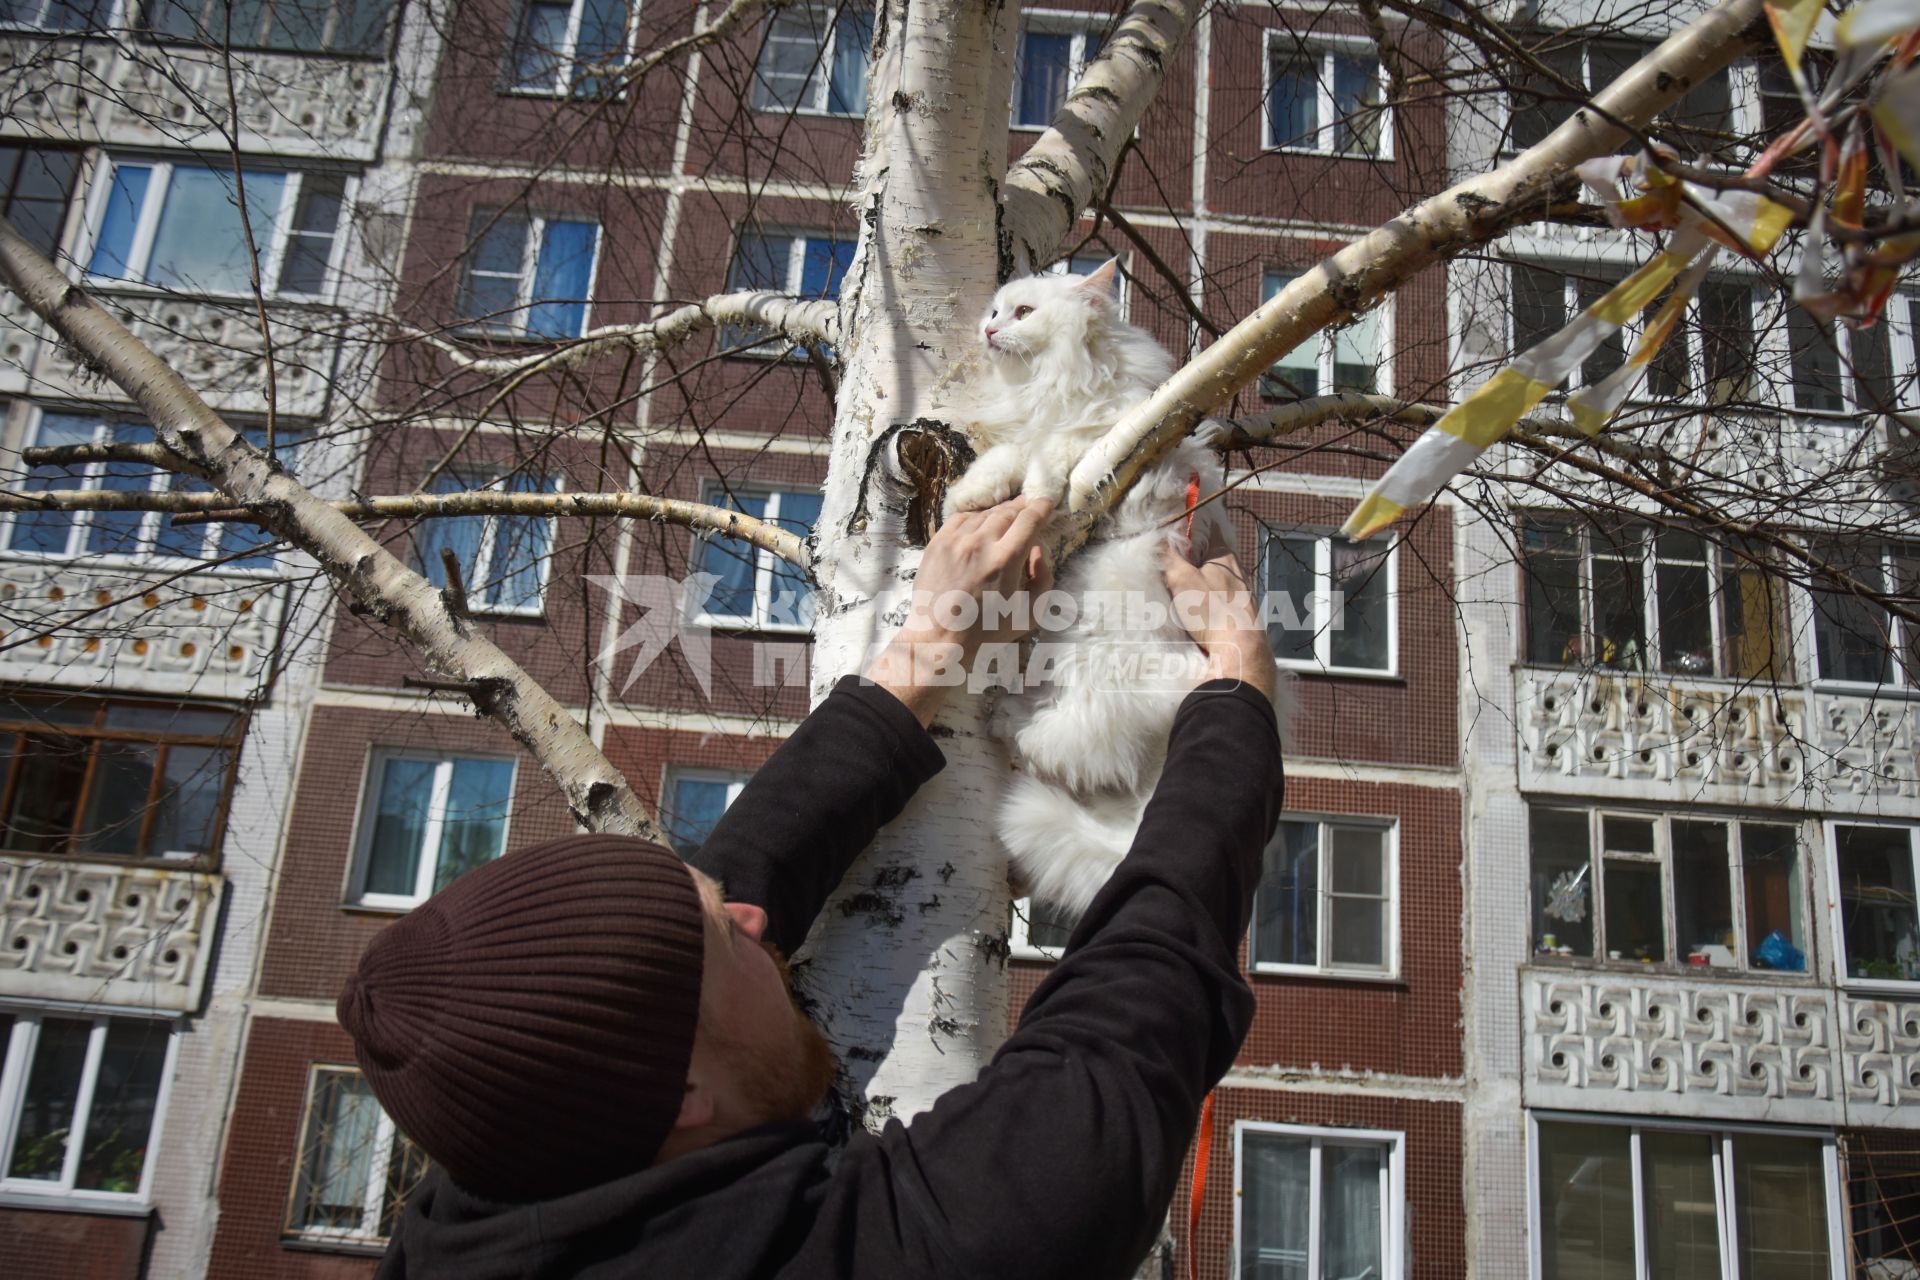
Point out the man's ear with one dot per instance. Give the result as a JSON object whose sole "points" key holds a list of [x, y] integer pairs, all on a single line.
{"points": [[1104, 280]]}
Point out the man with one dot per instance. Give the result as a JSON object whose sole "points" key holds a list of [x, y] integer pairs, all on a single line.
{"points": [[597, 1047]]}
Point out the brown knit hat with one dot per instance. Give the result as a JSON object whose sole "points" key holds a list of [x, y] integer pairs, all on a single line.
{"points": [[530, 1024]]}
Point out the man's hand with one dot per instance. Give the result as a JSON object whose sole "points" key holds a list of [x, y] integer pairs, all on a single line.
{"points": [[1213, 603], [976, 563]]}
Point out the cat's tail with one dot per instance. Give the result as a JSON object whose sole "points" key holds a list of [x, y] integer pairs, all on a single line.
{"points": [[1064, 847]]}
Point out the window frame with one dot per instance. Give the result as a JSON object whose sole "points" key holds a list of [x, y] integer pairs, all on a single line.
{"points": [[109, 20], [474, 579], [16, 1053], [1903, 357], [501, 327], [1382, 314], [151, 522], [1743, 97], [717, 493], [1900, 682], [1020, 944], [139, 260], [772, 346], [1078, 24], [823, 65], [567, 65], [1743, 968], [1393, 1200], [387, 1138], [373, 786], [1837, 911], [1726, 1206], [1323, 967], [734, 780], [1322, 598], [72, 199], [147, 31], [1324, 46]]}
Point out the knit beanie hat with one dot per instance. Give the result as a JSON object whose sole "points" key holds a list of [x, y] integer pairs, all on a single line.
{"points": [[530, 1025]]}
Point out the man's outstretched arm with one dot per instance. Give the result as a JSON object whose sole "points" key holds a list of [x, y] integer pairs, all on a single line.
{"points": [[853, 764]]}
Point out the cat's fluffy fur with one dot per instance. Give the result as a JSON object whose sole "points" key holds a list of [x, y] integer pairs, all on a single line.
{"points": [[1062, 367]]}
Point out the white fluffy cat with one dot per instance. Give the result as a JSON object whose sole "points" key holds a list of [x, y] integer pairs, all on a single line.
{"points": [[1090, 739]]}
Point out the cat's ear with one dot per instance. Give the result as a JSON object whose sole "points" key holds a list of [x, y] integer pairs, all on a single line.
{"points": [[1104, 280]]}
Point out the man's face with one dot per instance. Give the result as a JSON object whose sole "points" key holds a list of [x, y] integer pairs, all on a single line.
{"points": [[771, 1063]]}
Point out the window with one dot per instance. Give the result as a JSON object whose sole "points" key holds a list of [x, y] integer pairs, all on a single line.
{"points": [[1327, 899], [1345, 359], [1879, 914], [144, 534], [1671, 1201], [293, 26], [1694, 892], [1546, 299], [1843, 370], [815, 61], [178, 226], [35, 183], [1317, 1204], [59, 15], [805, 266], [355, 1170], [1854, 639], [118, 779], [1709, 359], [426, 820], [528, 275], [695, 799], [569, 46], [1054, 52], [756, 588], [1039, 930], [63, 1075], [504, 560], [1325, 96], [1632, 597], [1882, 1172], [1702, 121], [1329, 602]]}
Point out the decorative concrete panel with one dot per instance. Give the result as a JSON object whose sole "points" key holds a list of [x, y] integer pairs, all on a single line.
{"points": [[1665, 1045], [217, 348], [209, 635], [126, 936], [176, 96], [20, 332], [1880, 1039]]}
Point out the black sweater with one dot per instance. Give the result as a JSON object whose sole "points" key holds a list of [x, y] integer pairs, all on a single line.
{"points": [[1060, 1160]]}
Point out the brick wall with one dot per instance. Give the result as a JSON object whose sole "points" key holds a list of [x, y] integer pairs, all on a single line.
{"points": [[41, 1245]]}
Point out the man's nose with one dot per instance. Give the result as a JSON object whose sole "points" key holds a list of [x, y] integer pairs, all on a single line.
{"points": [[751, 919]]}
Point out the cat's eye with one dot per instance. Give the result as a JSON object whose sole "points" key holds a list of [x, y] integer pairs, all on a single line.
{"points": [[1021, 313]]}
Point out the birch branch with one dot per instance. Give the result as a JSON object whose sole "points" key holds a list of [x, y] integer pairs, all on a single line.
{"points": [[803, 323], [1360, 406], [1074, 159], [1359, 275], [595, 791]]}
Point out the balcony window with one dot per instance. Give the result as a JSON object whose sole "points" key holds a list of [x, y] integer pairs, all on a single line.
{"points": [[800, 265], [1317, 1204], [528, 275], [1855, 640], [1329, 603], [355, 1170], [60, 16], [1882, 1172], [1629, 597], [1054, 52], [35, 185], [1837, 369], [1600, 890], [1702, 121], [147, 536], [1327, 899], [179, 227], [1710, 359], [427, 819], [1674, 1201], [571, 47], [756, 589], [1545, 300], [1879, 913], [504, 560], [1325, 96], [815, 62], [288, 26], [116, 779], [1351, 358], [695, 799], [78, 1101]]}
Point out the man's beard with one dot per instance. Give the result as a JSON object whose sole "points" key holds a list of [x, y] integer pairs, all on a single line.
{"points": [[785, 1080]]}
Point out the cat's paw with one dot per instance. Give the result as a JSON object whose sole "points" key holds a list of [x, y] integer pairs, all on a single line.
{"points": [[1211, 431], [1042, 481], [990, 481]]}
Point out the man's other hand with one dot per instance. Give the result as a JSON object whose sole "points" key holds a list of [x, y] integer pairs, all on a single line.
{"points": [[1212, 602]]}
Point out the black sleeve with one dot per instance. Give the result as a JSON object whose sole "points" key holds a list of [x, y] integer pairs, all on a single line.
{"points": [[849, 768], [1061, 1159]]}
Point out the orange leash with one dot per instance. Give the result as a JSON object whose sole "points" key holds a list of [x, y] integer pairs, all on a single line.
{"points": [[1200, 1155], [1193, 504]]}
